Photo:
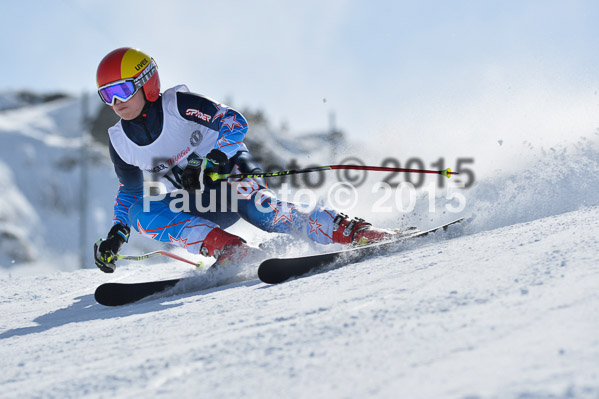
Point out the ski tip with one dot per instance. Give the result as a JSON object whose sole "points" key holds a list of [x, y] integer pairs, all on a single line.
{"points": [[270, 273], [104, 295]]}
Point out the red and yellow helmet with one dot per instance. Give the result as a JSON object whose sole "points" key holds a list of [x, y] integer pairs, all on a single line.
{"points": [[123, 72]]}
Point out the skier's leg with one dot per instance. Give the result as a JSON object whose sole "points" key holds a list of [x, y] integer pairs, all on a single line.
{"points": [[196, 234], [258, 205], [255, 203], [322, 225]]}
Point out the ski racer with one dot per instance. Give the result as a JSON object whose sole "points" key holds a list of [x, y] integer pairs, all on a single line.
{"points": [[181, 138]]}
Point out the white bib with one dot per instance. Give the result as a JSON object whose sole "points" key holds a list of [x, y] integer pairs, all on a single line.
{"points": [[177, 141]]}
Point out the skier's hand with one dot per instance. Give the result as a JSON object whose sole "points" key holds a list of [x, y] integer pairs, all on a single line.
{"points": [[200, 172], [106, 251], [216, 162]]}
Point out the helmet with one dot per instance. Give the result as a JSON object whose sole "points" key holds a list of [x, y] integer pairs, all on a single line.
{"points": [[129, 63]]}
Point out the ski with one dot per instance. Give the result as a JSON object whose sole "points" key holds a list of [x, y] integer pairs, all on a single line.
{"points": [[277, 270], [271, 271], [117, 294]]}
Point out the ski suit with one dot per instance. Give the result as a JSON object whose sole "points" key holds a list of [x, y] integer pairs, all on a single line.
{"points": [[182, 125]]}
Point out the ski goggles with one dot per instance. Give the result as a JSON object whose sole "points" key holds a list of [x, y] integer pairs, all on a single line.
{"points": [[126, 88]]}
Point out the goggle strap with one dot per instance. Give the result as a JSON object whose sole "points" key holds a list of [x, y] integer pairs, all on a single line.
{"points": [[145, 75]]}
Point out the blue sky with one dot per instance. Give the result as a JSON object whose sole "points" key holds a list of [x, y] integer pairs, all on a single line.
{"points": [[387, 68]]}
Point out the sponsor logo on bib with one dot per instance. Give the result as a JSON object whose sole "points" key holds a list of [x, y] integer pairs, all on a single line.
{"points": [[196, 138]]}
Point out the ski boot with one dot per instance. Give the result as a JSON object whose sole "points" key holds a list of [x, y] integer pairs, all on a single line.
{"points": [[359, 232], [227, 248]]}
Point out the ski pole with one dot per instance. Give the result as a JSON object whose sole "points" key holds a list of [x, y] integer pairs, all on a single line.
{"points": [[199, 265], [215, 176]]}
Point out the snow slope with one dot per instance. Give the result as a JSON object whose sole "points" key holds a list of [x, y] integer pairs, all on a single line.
{"points": [[504, 306], [506, 313]]}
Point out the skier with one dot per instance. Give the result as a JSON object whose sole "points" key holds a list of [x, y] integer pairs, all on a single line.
{"points": [[181, 138]]}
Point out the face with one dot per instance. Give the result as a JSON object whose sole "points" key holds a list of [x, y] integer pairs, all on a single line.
{"points": [[131, 109]]}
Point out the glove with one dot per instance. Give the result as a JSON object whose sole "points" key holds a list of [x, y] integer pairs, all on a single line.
{"points": [[106, 251], [198, 172], [217, 161]]}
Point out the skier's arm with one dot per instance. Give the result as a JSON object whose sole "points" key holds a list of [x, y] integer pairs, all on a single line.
{"points": [[232, 130], [230, 124], [131, 187], [130, 190]]}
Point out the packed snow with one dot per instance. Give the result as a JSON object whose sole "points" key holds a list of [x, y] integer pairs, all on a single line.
{"points": [[504, 305]]}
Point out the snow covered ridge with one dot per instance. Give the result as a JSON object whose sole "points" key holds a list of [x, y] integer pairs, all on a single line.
{"points": [[40, 148], [18, 99], [17, 216]]}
